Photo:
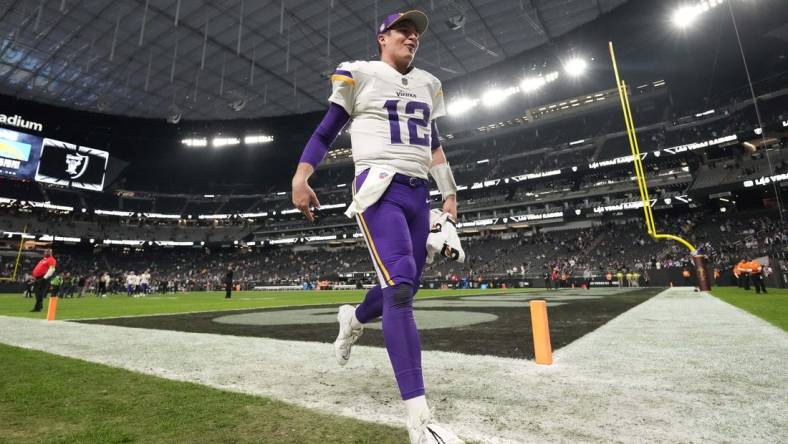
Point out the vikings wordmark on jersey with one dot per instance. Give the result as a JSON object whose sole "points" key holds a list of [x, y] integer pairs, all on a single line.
{"points": [[391, 115]]}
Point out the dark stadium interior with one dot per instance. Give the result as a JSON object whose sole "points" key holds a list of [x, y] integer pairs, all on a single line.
{"points": [[546, 183]]}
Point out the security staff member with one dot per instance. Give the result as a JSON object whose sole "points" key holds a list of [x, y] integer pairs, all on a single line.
{"points": [[228, 283], [42, 273], [744, 269], [685, 274]]}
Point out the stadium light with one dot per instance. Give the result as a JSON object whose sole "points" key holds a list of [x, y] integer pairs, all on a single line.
{"points": [[686, 16], [195, 142], [575, 66], [530, 84], [461, 105], [258, 139], [496, 96], [225, 141]]}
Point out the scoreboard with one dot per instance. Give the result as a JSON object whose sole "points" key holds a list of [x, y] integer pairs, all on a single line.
{"points": [[29, 157]]}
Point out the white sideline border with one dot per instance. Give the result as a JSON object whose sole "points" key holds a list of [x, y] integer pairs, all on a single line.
{"points": [[680, 367]]}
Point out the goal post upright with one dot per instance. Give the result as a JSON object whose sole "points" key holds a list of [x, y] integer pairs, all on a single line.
{"points": [[699, 260]]}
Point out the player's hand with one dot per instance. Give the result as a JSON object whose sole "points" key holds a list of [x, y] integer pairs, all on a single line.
{"points": [[304, 197], [450, 206]]}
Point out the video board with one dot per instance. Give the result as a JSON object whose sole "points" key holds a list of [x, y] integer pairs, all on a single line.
{"points": [[19, 154], [28, 157], [66, 164]]}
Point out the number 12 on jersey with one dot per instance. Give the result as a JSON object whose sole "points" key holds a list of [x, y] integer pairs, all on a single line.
{"points": [[414, 123]]}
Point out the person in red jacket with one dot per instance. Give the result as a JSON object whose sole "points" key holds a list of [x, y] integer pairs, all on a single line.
{"points": [[42, 272]]}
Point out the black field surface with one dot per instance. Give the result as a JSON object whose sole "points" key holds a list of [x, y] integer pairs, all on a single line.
{"points": [[498, 325]]}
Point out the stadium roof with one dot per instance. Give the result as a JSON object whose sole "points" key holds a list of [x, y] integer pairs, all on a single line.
{"points": [[236, 59]]}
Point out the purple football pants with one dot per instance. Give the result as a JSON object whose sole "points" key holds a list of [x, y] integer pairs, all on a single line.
{"points": [[396, 229]]}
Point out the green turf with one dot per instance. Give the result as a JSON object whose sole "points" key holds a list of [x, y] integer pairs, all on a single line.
{"points": [[772, 307], [48, 398], [121, 305]]}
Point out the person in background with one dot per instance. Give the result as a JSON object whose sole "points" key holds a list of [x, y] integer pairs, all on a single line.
{"points": [[42, 273], [103, 285], [767, 271], [131, 283], [228, 283], [743, 267], [685, 274], [547, 280], [82, 283], [145, 282], [29, 281], [736, 271], [587, 278], [756, 276], [55, 286]]}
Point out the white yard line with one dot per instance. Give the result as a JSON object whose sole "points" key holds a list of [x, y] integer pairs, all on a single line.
{"points": [[681, 367]]}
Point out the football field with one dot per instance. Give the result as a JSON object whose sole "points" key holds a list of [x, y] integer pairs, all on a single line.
{"points": [[116, 305], [630, 364]]}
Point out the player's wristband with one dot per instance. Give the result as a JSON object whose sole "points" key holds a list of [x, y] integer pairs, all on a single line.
{"points": [[444, 179]]}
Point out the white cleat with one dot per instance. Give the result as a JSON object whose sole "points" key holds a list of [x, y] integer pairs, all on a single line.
{"points": [[428, 432], [347, 334]]}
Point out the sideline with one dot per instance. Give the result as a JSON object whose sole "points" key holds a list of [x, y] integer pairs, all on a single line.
{"points": [[682, 366]]}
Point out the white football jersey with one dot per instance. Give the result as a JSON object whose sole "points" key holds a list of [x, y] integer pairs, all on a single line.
{"points": [[391, 115]]}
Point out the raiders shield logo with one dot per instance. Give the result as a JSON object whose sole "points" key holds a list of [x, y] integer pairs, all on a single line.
{"points": [[76, 165]]}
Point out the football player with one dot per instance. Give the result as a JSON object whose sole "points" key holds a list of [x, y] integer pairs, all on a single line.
{"points": [[393, 106]]}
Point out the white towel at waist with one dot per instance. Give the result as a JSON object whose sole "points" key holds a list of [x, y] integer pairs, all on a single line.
{"points": [[376, 183]]}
